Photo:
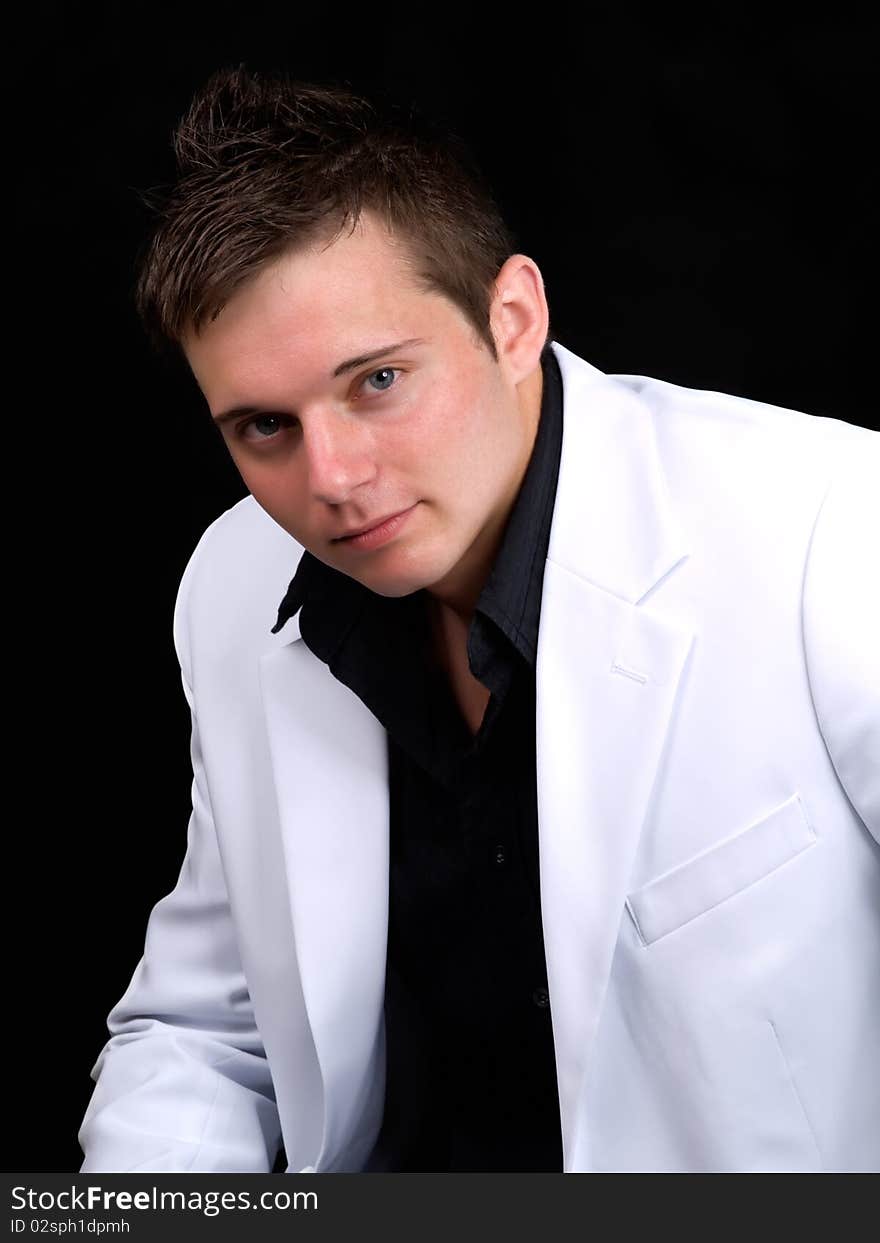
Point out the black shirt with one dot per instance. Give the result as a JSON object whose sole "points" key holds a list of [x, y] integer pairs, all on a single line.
{"points": [[471, 1073]]}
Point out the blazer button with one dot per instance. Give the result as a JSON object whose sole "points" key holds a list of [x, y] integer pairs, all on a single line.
{"points": [[541, 998]]}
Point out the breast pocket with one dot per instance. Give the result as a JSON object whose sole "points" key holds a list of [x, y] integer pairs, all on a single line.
{"points": [[716, 874]]}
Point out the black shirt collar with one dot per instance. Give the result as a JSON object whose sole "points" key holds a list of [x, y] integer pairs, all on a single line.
{"points": [[511, 597]]}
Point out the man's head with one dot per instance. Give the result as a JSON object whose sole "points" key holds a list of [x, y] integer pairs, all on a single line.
{"points": [[307, 229]]}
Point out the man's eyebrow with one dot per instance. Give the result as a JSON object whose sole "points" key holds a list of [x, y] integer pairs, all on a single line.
{"points": [[350, 364]]}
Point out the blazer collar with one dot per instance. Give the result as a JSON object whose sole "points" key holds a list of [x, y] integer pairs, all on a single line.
{"points": [[613, 525]]}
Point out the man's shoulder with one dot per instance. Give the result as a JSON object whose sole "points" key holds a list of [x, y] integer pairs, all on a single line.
{"points": [[720, 445], [237, 574], [728, 417], [711, 439]]}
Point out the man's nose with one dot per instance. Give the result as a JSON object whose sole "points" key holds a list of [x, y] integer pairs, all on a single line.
{"points": [[339, 457]]}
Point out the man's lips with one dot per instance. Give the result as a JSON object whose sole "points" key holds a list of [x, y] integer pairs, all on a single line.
{"points": [[371, 526]]}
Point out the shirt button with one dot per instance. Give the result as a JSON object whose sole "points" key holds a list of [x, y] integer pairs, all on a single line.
{"points": [[541, 998], [500, 856]]}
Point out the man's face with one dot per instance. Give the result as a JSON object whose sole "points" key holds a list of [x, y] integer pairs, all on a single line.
{"points": [[436, 427]]}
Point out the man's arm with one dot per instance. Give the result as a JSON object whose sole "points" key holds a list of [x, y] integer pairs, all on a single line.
{"points": [[841, 619], [183, 1083]]}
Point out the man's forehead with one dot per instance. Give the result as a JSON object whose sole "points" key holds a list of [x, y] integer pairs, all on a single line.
{"points": [[353, 247], [300, 297]]}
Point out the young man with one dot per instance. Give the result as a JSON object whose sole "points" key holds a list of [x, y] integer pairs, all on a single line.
{"points": [[538, 832]]}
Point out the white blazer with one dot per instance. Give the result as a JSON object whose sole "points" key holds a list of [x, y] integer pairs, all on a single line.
{"points": [[708, 782]]}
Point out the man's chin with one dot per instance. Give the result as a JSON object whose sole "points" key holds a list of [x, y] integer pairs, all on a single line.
{"points": [[391, 590]]}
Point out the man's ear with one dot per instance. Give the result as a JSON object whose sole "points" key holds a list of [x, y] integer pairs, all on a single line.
{"points": [[519, 316]]}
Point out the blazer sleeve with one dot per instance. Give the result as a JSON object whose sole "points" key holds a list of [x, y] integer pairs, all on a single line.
{"points": [[183, 1083], [841, 621]]}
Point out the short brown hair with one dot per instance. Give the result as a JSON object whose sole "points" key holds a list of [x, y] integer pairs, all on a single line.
{"points": [[268, 164]]}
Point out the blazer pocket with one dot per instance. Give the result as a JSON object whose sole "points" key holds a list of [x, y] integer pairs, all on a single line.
{"points": [[716, 874]]}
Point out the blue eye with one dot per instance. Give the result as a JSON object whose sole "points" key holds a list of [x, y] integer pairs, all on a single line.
{"points": [[383, 371]]}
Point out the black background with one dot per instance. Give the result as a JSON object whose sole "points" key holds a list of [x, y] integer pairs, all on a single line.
{"points": [[696, 196]]}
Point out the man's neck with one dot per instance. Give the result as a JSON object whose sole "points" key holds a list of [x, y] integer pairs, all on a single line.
{"points": [[458, 592]]}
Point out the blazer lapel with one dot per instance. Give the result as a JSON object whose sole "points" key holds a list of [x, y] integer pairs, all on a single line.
{"points": [[607, 676], [329, 758]]}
